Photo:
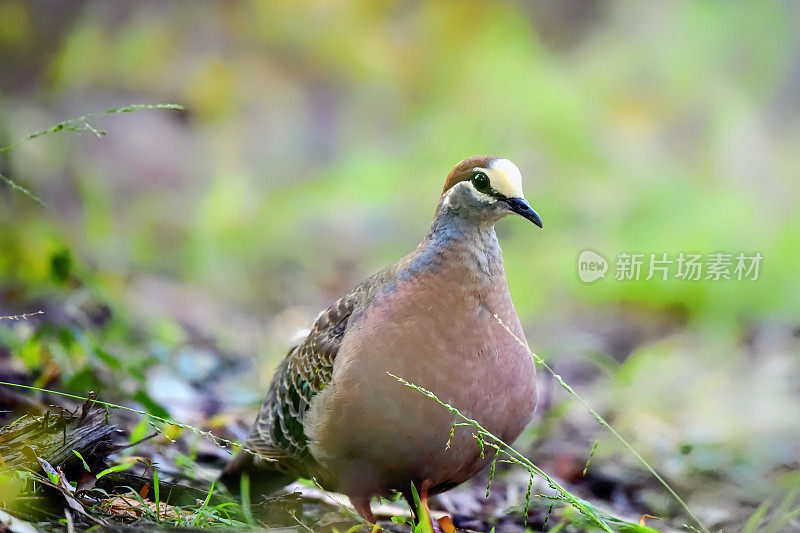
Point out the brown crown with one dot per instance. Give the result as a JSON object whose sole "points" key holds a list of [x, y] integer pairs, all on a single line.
{"points": [[463, 170]]}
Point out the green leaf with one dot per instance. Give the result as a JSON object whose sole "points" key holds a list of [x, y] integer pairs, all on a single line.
{"points": [[424, 525], [156, 491], [48, 469], [86, 466], [116, 468]]}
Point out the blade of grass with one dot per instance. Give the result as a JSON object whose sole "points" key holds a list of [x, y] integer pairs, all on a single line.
{"points": [[782, 514], [606, 425], [145, 508], [755, 520], [19, 188], [204, 505], [157, 494], [589, 459], [424, 524], [77, 125], [496, 442], [244, 490]]}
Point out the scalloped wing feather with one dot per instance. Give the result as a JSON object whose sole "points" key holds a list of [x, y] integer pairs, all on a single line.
{"points": [[307, 369]]}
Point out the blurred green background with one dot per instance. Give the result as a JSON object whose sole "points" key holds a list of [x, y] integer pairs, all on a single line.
{"points": [[314, 142]]}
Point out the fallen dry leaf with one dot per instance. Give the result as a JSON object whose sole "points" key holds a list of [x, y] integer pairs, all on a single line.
{"points": [[129, 505]]}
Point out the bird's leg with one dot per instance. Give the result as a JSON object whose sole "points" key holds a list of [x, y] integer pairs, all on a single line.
{"points": [[444, 524], [424, 512], [361, 505]]}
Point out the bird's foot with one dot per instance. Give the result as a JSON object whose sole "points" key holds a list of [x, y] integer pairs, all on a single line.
{"points": [[446, 525]]}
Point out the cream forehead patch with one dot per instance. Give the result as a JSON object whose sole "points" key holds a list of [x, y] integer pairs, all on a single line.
{"points": [[505, 178]]}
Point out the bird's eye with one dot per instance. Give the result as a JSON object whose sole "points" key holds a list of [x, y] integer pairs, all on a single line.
{"points": [[481, 181]]}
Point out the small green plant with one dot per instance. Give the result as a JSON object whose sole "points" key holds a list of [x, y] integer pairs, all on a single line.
{"points": [[201, 510], [782, 515], [424, 524]]}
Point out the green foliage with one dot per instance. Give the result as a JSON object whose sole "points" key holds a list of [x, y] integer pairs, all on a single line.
{"points": [[596, 119], [781, 515], [244, 491], [85, 465], [311, 152], [116, 468], [424, 524], [157, 494]]}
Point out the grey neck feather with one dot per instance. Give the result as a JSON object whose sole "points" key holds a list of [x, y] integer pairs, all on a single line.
{"points": [[460, 242]]}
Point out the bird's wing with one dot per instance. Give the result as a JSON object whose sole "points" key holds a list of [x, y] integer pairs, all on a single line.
{"points": [[307, 369]]}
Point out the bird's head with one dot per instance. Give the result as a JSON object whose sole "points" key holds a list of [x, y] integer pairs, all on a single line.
{"points": [[485, 189]]}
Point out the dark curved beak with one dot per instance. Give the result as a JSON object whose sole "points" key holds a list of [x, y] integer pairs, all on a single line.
{"points": [[521, 207]]}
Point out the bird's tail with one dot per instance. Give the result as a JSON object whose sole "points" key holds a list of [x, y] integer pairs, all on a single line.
{"points": [[263, 479]]}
